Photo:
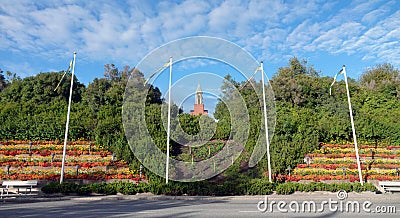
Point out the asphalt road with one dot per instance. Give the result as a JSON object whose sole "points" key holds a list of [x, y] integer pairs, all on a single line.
{"points": [[240, 206]]}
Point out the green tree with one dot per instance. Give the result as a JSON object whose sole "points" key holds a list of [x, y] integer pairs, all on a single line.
{"points": [[383, 78], [297, 84], [3, 82]]}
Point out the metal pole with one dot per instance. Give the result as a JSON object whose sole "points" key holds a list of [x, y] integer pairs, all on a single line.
{"points": [[30, 148], [266, 123], [77, 170], [67, 123], [8, 169], [352, 126], [169, 118]]}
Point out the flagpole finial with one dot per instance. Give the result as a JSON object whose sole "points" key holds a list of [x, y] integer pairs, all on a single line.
{"points": [[261, 62], [74, 52], [344, 65]]}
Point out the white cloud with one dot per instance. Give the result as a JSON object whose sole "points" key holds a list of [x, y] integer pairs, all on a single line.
{"points": [[224, 18], [300, 10], [181, 20], [24, 65], [123, 32], [375, 15], [332, 39], [380, 42], [303, 35]]}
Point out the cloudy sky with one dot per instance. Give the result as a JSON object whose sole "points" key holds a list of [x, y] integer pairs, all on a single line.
{"points": [[40, 36]]}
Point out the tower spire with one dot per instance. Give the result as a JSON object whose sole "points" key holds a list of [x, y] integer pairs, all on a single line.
{"points": [[199, 95], [198, 104]]}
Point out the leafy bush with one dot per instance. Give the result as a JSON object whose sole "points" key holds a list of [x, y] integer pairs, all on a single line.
{"points": [[68, 187], [126, 188], [156, 188], [286, 188], [260, 187], [103, 188], [290, 187], [84, 190], [348, 187], [64, 188], [207, 188], [51, 188], [142, 187]]}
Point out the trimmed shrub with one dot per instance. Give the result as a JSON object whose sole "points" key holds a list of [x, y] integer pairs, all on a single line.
{"points": [[254, 187], [290, 187], [103, 188], [259, 187], [51, 188], [84, 190], [68, 187], [142, 187], [126, 188], [287, 188]]}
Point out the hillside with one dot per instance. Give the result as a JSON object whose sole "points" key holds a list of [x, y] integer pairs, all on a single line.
{"points": [[307, 115]]}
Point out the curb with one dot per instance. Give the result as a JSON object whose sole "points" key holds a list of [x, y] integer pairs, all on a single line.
{"points": [[162, 197], [33, 200], [184, 198]]}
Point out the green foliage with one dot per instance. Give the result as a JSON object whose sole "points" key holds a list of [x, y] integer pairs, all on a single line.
{"points": [[68, 187], [64, 188], [203, 188], [260, 187], [104, 188], [99, 188], [83, 190], [298, 84], [287, 188], [32, 110], [189, 123], [126, 188], [51, 188], [383, 78], [291, 187], [307, 115], [3, 82]]}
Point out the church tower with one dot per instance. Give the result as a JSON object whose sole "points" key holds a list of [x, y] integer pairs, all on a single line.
{"points": [[198, 104]]}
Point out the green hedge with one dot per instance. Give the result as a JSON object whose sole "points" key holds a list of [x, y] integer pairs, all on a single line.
{"points": [[204, 188], [291, 187], [126, 188]]}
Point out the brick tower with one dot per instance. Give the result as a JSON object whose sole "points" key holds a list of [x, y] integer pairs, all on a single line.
{"points": [[198, 104]]}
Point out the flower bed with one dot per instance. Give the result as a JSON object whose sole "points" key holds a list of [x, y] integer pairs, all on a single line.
{"points": [[390, 147], [338, 162], [42, 161]]}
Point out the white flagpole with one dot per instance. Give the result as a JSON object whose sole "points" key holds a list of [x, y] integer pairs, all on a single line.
{"points": [[67, 123], [352, 126], [169, 119], [266, 123]]}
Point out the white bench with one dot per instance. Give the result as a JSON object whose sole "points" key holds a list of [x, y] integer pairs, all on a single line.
{"points": [[17, 184], [389, 186]]}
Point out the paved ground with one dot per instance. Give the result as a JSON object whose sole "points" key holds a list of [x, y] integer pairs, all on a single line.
{"points": [[239, 206]]}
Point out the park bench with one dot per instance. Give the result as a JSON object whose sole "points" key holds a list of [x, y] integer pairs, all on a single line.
{"points": [[389, 186], [16, 184]]}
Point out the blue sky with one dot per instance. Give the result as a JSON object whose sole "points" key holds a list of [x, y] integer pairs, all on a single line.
{"points": [[40, 36]]}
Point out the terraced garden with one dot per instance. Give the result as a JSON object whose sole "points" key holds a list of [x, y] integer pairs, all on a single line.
{"points": [[41, 160], [338, 162]]}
